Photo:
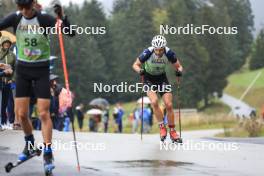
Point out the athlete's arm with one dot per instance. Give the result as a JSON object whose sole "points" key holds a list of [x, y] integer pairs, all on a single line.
{"points": [[8, 21], [178, 67], [137, 66], [174, 60], [47, 21], [143, 57]]}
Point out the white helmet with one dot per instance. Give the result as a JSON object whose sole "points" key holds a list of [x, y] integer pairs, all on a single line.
{"points": [[159, 41]]}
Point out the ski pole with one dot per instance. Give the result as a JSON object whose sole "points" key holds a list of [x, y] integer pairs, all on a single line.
{"points": [[178, 102], [66, 78], [142, 106]]}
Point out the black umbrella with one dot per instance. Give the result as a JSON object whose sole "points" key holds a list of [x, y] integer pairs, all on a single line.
{"points": [[53, 77], [101, 102]]}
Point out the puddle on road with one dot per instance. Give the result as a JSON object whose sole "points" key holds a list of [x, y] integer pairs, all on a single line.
{"points": [[137, 167], [3, 148], [151, 163], [90, 168]]}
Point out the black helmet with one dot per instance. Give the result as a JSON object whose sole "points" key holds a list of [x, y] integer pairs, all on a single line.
{"points": [[24, 2]]}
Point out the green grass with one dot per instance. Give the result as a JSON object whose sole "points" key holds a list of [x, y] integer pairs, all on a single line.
{"points": [[238, 131], [239, 82], [216, 107], [212, 117], [208, 119]]}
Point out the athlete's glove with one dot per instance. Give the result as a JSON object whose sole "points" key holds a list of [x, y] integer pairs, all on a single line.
{"points": [[178, 73], [142, 72], [58, 10]]}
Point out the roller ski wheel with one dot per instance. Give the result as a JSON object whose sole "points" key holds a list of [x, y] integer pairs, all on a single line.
{"points": [[25, 156]]}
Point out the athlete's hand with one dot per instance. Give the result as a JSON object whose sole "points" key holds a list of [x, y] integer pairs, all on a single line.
{"points": [[142, 72], [58, 10], [179, 71]]}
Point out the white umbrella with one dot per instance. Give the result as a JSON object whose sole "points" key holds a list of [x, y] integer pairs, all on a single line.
{"points": [[146, 100], [94, 112]]}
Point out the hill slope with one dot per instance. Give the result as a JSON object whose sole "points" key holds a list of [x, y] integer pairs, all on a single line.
{"points": [[239, 82]]}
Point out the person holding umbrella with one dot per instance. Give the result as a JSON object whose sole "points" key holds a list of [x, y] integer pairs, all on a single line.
{"points": [[118, 115]]}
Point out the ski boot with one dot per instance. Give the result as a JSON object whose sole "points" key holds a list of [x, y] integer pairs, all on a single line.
{"points": [[48, 161], [175, 138], [163, 132], [29, 150]]}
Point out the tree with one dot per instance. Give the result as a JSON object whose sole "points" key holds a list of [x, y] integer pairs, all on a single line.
{"points": [[257, 59], [132, 30]]}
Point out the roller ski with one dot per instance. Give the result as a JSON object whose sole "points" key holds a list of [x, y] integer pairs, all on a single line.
{"points": [[26, 155], [48, 162]]}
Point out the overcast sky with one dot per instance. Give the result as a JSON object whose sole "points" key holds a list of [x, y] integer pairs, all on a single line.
{"points": [[106, 3], [257, 7]]}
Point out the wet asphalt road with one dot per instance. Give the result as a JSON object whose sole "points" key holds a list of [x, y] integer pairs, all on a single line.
{"points": [[124, 154]]}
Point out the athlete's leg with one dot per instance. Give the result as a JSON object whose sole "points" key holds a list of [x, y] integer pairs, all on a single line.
{"points": [[158, 113], [43, 94], [43, 106], [21, 111], [167, 99], [155, 105]]}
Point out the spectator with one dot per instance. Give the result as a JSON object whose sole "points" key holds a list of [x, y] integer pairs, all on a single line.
{"points": [[7, 60], [67, 123], [94, 121], [262, 112], [138, 117], [106, 119], [11, 105], [118, 115], [55, 90], [80, 116], [136, 120], [146, 120], [151, 115]]}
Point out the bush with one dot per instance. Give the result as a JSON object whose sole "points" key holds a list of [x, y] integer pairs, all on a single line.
{"points": [[253, 127]]}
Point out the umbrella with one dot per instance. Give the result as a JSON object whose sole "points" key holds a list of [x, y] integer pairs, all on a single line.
{"points": [[9, 35], [99, 102], [146, 100], [94, 112], [52, 58], [53, 77]]}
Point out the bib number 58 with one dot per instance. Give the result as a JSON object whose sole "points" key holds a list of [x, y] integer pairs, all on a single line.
{"points": [[31, 42]]}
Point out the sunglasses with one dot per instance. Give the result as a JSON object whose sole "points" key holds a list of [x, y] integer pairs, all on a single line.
{"points": [[159, 49]]}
